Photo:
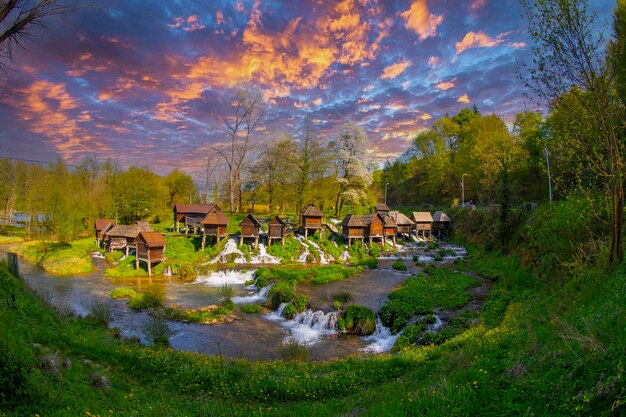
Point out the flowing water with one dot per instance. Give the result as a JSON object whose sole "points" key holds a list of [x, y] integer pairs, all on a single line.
{"points": [[253, 336]]}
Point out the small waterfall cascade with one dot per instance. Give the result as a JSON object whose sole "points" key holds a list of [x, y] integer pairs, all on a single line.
{"points": [[308, 327], [323, 259], [167, 271], [263, 257], [381, 340], [229, 248], [304, 255], [227, 276]]}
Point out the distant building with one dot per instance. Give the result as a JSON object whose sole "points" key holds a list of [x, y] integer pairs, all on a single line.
{"points": [[311, 220], [403, 223], [215, 224], [149, 248], [101, 227], [441, 223], [353, 228], [382, 208], [191, 215], [123, 237], [250, 229], [276, 230], [374, 226], [423, 223]]}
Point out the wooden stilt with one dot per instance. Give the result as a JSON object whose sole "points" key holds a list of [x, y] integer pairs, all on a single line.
{"points": [[136, 263], [149, 269], [256, 242], [203, 241], [126, 249], [306, 234], [240, 239]]}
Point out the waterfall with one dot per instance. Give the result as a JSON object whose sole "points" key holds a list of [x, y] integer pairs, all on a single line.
{"points": [[381, 340], [308, 327], [254, 297], [345, 255], [304, 255], [229, 248], [263, 257], [323, 259], [167, 271], [229, 276]]}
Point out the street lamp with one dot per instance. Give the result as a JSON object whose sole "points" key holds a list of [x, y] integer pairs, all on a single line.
{"points": [[386, 184], [463, 190]]}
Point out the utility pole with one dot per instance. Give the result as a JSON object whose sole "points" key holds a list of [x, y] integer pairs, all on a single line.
{"points": [[386, 184]]}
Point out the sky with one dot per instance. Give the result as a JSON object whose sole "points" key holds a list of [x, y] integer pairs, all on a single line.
{"points": [[146, 83]]}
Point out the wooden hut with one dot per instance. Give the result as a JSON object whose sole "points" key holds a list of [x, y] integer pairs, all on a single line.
{"points": [[389, 229], [149, 248], [374, 228], [381, 208], [311, 219], [215, 224], [403, 223], [441, 223], [353, 228], [123, 237], [191, 215], [250, 229], [423, 223], [102, 226], [276, 230]]}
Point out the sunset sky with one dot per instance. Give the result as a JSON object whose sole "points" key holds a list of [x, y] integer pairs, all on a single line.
{"points": [[145, 82]]}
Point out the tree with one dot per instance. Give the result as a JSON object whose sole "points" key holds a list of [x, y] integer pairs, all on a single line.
{"points": [[245, 113], [352, 174], [19, 17], [570, 62], [180, 187]]}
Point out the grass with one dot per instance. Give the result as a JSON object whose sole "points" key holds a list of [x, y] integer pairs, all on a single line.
{"points": [[287, 253], [204, 315], [442, 288], [61, 259], [538, 347], [5, 240], [125, 268], [316, 275], [251, 308]]}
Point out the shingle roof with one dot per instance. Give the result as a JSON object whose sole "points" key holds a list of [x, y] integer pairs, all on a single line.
{"points": [[312, 211], [389, 222], [400, 218], [153, 239], [253, 219], [277, 220], [121, 230], [441, 217], [194, 208], [102, 224], [421, 217], [215, 217], [352, 220], [381, 207], [143, 226], [366, 219]]}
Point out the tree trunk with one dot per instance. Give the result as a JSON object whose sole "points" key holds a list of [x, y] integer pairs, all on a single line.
{"points": [[231, 190]]}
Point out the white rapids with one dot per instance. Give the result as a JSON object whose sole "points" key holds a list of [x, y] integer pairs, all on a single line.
{"points": [[254, 297], [227, 276], [381, 340], [307, 327]]}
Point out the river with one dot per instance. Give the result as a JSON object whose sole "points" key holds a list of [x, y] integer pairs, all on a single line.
{"points": [[252, 336]]}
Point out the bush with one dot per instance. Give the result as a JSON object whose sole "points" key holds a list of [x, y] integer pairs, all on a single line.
{"points": [[225, 292], [101, 312], [16, 364], [359, 319], [122, 292], [281, 292], [300, 303], [294, 351], [157, 332], [290, 311], [374, 251], [113, 257], [399, 265], [186, 272], [343, 297], [336, 305], [371, 263], [251, 308], [410, 336], [153, 298]]}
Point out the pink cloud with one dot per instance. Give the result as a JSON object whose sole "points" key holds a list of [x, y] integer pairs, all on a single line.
{"points": [[477, 40], [394, 70], [420, 20]]}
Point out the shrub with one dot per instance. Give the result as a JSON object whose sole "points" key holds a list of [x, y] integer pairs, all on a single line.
{"points": [[225, 292], [16, 364], [371, 263], [289, 312], [359, 319], [100, 311], [336, 305], [122, 292], [374, 250], [343, 297], [186, 272], [157, 332], [150, 299], [281, 292], [300, 303], [399, 265], [113, 257], [294, 351], [410, 335], [251, 308]]}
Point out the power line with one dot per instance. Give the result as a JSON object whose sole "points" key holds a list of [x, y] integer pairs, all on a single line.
{"points": [[36, 161]]}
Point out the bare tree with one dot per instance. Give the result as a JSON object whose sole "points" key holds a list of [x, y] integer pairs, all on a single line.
{"points": [[244, 114], [570, 71], [211, 175], [19, 17], [352, 174]]}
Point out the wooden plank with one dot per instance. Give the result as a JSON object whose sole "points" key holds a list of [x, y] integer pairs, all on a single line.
{"points": [[14, 267]]}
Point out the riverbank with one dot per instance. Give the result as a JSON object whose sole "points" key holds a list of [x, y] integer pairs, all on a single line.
{"points": [[533, 347]]}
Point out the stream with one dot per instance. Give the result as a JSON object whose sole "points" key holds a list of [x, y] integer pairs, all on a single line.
{"points": [[252, 336]]}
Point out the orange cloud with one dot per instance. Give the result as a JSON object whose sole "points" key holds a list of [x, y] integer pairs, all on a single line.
{"points": [[464, 99], [477, 40], [189, 24], [477, 4], [518, 45], [446, 85], [48, 108], [219, 17], [394, 70], [301, 55], [433, 61], [419, 19]]}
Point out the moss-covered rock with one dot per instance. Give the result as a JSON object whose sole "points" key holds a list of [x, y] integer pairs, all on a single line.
{"points": [[281, 292], [359, 319]]}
